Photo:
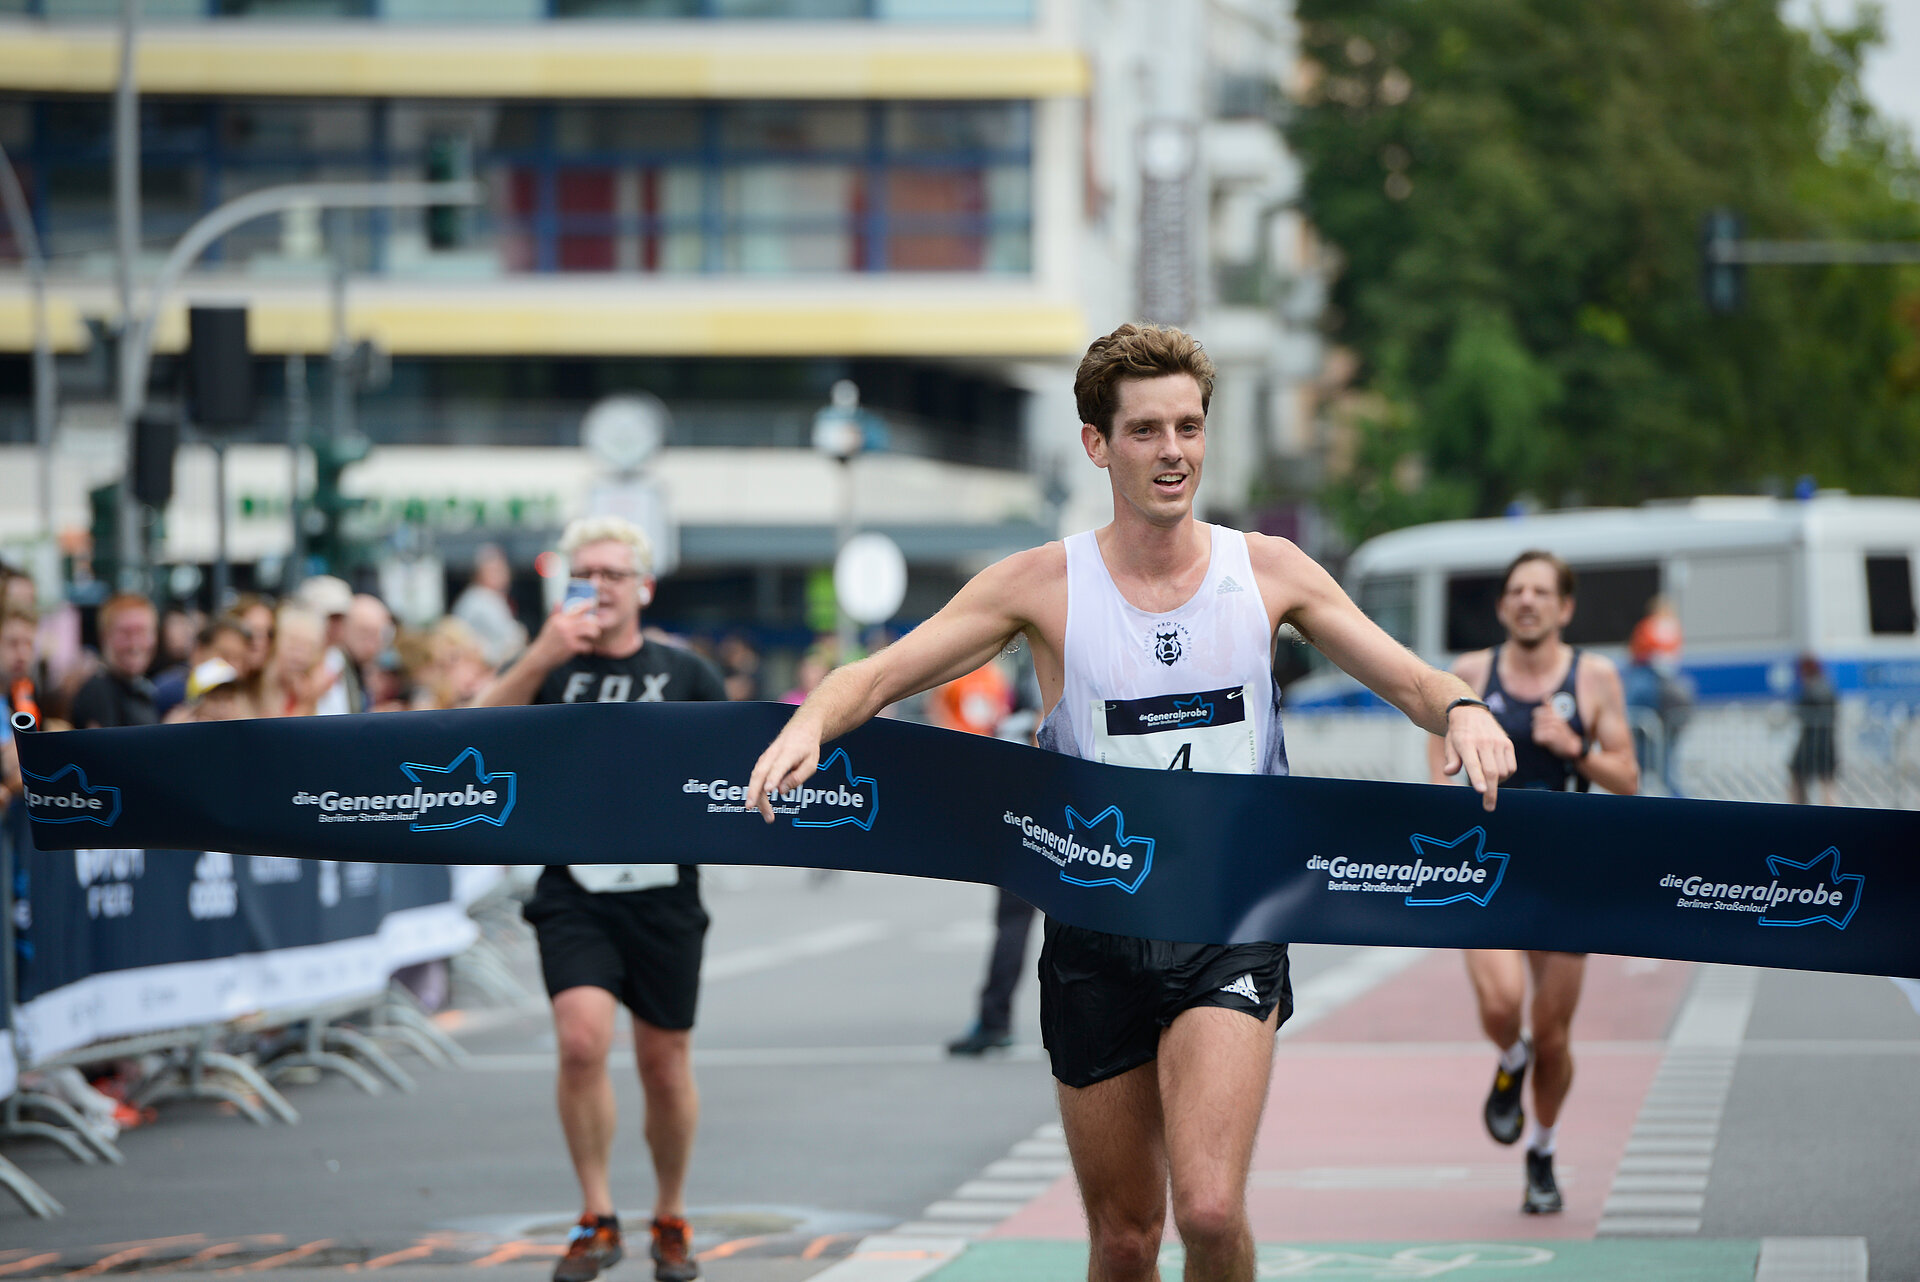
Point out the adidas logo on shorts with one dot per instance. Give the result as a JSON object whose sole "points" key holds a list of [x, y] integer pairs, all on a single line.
{"points": [[1243, 987]]}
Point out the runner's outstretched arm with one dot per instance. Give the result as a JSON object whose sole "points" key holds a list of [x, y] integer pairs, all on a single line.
{"points": [[1314, 604], [970, 629]]}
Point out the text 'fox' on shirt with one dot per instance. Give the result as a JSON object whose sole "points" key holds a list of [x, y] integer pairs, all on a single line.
{"points": [[1190, 689]]}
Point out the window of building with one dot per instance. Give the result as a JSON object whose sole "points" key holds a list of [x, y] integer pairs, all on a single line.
{"points": [[470, 11], [752, 188], [1388, 601], [1890, 595]]}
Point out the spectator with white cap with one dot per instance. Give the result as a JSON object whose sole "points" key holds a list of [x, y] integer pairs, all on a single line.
{"points": [[215, 692], [331, 599]]}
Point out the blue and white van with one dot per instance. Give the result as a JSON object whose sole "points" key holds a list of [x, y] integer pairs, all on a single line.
{"points": [[1756, 581]]}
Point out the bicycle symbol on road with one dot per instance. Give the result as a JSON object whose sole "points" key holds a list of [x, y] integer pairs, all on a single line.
{"points": [[1410, 1262]]}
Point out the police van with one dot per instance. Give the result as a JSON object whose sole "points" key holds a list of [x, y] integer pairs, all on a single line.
{"points": [[1757, 582]]}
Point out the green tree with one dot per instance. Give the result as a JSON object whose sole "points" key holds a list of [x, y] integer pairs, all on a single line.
{"points": [[1516, 189]]}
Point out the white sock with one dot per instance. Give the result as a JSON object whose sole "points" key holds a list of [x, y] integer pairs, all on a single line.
{"points": [[1514, 1058], [1540, 1139]]}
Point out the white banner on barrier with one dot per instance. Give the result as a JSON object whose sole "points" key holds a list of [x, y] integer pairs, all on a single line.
{"points": [[8, 1073], [150, 999]]}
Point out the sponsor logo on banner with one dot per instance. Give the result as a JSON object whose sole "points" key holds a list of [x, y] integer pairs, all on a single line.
{"points": [[1091, 852], [459, 793], [837, 796], [266, 870], [1812, 893], [213, 892], [108, 877], [65, 797], [1441, 872]]}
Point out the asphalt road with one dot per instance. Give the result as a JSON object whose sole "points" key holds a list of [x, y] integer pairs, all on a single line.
{"points": [[830, 1112]]}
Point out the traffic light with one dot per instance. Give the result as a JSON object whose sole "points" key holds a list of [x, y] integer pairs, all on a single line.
{"points": [[330, 508], [155, 438], [103, 501], [449, 159], [1723, 284]]}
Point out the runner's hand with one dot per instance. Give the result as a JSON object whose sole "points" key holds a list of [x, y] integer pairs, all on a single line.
{"points": [[1476, 743], [1552, 732], [788, 762]]}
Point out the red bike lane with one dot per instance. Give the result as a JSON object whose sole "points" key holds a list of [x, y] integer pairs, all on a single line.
{"points": [[1372, 1130]]}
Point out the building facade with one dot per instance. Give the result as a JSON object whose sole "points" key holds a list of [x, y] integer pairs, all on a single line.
{"points": [[731, 205]]}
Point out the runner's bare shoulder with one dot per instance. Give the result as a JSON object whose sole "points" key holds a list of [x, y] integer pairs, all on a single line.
{"points": [[1289, 578], [1028, 583]]}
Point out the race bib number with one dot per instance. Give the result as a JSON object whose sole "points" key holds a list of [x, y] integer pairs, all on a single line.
{"points": [[603, 879], [1208, 731]]}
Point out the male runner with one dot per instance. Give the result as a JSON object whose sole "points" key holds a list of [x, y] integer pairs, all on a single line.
{"points": [[1163, 1050], [614, 934], [1567, 715]]}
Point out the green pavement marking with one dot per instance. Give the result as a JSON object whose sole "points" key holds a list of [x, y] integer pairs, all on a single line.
{"points": [[1664, 1260]]}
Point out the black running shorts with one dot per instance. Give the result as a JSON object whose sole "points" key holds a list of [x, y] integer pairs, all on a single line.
{"points": [[643, 946], [1105, 999]]}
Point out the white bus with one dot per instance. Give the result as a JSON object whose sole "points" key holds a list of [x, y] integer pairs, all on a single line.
{"points": [[1757, 582]]}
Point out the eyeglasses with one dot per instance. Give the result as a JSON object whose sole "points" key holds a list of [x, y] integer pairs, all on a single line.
{"points": [[610, 575]]}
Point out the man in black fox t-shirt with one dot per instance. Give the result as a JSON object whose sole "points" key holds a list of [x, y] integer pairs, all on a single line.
{"points": [[613, 934]]}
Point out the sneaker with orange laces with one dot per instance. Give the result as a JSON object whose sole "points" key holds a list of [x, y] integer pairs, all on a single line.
{"points": [[672, 1251], [593, 1245]]}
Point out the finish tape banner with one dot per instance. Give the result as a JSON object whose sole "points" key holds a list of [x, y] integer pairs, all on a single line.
{"points": [[1164, 855]]}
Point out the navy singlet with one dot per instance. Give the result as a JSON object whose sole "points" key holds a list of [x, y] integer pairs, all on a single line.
{"points": [[1537, 768]]}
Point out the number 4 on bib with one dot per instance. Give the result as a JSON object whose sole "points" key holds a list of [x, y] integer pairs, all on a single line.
{"points": [[1208, 731]]}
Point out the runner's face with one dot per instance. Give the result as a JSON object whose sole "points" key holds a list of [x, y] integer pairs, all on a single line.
{"points": [[1531, 608], [618, 587], [16, 650], [1154, 452]]}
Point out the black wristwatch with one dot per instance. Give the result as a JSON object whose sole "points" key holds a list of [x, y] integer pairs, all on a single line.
{"points": [[1466, 702]]}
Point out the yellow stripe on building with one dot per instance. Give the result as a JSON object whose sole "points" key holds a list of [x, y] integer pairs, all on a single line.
{"points": [[509, 323], [626, 62]]}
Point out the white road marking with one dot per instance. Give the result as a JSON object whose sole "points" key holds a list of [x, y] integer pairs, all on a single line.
{"points": [[1661, 1186], [816, 943]]}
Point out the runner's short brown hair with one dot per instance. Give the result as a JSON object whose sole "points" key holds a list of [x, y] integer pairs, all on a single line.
{"points": [[1562, 572], [1136, 351]]}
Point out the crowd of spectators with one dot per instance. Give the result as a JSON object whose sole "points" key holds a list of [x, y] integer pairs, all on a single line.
{"points": [[321, 649]]}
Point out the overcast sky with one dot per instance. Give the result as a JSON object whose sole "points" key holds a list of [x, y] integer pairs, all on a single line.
{"points": [[1893, 74]]}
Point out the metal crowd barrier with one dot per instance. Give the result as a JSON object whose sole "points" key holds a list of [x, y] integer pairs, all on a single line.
{"points": [[1722, 752], [237, 1061]]}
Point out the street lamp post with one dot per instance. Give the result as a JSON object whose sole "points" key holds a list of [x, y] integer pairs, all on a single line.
{"points": [[839, 434], [136, 342], [20, 217]]}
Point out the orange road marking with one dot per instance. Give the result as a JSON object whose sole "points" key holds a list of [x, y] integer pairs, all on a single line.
{"points": [[285, 1257], [184, 1239], [213, 1252], [416, 1252], [818, 1246], [516, 1250], [133, 1251], [31, 1262], [734, 1247]]}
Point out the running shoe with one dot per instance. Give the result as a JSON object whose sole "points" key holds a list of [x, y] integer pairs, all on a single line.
{"points": [[1504, 1115], [1543, 1195], [979, 1041], [593, 1245], [672, 1251]]}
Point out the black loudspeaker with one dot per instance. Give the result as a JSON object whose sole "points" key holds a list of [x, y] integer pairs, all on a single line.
{"points": [[219, 367], [155, 437]]}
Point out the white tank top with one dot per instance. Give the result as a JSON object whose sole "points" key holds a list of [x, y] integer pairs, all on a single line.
{"points": [[1191, 689]]}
